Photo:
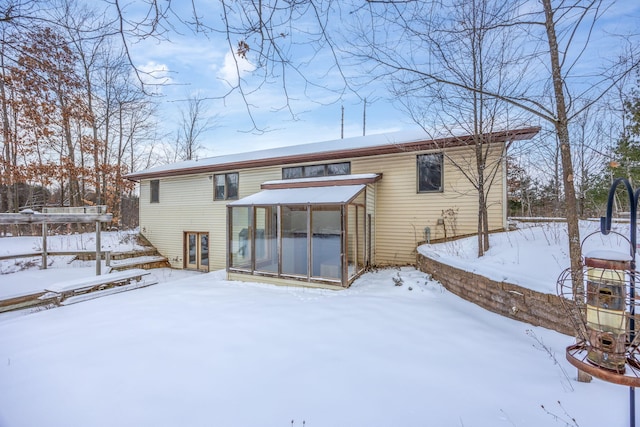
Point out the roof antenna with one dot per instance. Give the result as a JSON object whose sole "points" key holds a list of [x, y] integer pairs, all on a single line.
{"points": [[364, 118], [342, 124]]}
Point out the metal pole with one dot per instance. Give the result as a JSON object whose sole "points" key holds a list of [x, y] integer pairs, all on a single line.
{"points": [[633, 221], [605, 228], [98, 254], [44, 246], [632, 407]]}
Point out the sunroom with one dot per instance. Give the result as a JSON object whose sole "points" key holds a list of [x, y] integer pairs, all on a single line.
{"points": [[310, 232]]}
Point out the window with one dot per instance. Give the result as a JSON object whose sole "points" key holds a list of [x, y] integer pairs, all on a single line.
{"points": [[339, 168], [225, 186], [311, 171], [294, 240], [281, 234], [430, 172], [292, 173], [155, 191], [239, 249]]}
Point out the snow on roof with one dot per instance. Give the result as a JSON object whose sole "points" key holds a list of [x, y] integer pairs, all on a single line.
{"points": [[302, 196], [329, 178], [374, 142], [293, 150]]}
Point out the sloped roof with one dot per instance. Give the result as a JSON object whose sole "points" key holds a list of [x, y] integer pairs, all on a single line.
{"points": [[323, 181], [302, 196], [328, 150]]}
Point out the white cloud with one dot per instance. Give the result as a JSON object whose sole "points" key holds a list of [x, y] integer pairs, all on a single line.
{"points": [[232, 66], [153, 73]]}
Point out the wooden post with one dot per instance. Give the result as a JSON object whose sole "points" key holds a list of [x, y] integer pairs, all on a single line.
{"points": [[583, 377], [44, 246], [98, 254]]}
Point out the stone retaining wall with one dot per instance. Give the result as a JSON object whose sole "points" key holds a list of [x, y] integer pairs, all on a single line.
{"points": [[504, 298]]}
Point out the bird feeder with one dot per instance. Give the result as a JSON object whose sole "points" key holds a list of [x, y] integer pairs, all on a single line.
{"points": [[606, 317]]}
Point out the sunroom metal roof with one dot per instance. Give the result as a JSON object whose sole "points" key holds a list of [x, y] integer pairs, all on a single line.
{"points": [[323, 181], [333, 195]]}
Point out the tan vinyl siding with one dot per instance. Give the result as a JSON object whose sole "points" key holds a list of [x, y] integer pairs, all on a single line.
{"points": [[398, 220], [371, 216], [402, 213], [186, 204]]}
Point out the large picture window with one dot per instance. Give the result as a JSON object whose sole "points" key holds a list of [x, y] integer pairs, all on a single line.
{"points": [[311, 171], [430, 173], [155, 191], [225, 186]]}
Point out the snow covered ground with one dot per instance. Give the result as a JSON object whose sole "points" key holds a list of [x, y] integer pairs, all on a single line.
{"points": [[533, 256], [203, 351], [23, 275]]}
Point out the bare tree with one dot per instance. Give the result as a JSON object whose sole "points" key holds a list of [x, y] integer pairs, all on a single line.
{"points": [[549, 52], [9, 133], [467, 40], [270, 34], [82, 114], [87, 33], [591, 132], [195, 121], [287, 44]]}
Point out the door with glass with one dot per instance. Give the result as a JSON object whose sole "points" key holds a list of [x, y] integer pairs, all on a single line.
{"points": [[196, 251]]}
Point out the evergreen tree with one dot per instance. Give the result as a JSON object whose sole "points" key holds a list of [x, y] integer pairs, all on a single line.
{"points": [[626, 158], [627, 150]]}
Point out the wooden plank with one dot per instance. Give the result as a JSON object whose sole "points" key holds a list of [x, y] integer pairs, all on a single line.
{"points": [[30, 300], [136, 261], [52, 253], [53, 299], [105, 292], [22, 255], [95, 281], [20, 298], [48, 218]]}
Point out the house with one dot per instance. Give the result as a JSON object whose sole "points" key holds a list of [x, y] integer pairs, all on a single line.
{"points": [[319, 214]]}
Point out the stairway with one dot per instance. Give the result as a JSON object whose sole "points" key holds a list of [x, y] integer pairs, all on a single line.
{"points": [[118, 261], [149, 258]]}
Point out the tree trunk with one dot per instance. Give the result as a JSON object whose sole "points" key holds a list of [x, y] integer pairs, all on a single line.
{"points": [[74, 188], [8, 176], [6, 140], [562, 130], [483, 235]]}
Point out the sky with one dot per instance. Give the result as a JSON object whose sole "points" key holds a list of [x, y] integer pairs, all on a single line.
{"points": [[195, 64], [199, 350]]}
